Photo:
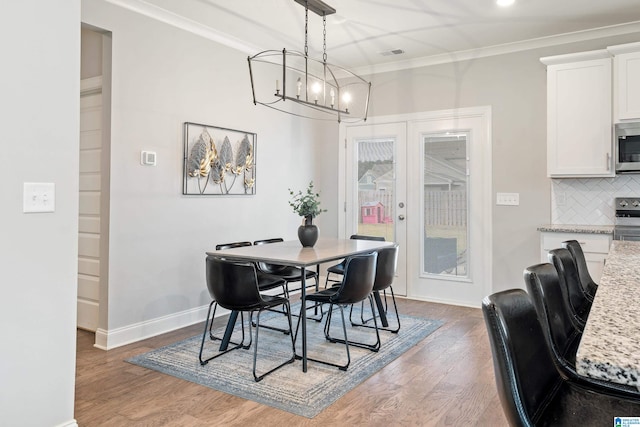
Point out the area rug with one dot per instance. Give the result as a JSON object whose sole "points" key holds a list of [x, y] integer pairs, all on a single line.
{"points": [[288, 388]]}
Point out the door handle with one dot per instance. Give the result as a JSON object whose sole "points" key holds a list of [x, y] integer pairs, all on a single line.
{"points": [[401, 217]]}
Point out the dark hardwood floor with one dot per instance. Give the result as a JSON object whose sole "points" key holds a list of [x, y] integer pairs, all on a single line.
{"points": [[445, 380]]}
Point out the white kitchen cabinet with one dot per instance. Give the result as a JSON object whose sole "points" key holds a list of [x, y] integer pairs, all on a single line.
{"points": [[626, 81], [594, 246], [579, 115]]}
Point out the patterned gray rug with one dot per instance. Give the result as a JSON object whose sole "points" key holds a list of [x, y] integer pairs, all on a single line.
{"points": [[289, 389]]}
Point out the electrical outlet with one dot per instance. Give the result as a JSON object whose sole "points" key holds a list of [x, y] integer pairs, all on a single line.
{"points": [[508, 199]]}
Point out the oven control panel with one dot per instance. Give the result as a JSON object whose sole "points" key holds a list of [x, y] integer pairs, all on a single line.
{"points": [[625, 204]]}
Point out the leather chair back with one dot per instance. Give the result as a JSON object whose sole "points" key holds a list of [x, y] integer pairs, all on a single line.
{"points": [[575, 249], [525, 375], [364, 237], [359, 276], [579, 304], [232, 245], [386, 267], [266, 267], [561, 334], [233, 285]]}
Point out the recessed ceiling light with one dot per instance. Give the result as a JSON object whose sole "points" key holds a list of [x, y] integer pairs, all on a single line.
{"points": [[505, 3]]}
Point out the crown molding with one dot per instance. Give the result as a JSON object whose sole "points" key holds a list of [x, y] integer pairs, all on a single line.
{"points": [[449, 57], [152, 11]]}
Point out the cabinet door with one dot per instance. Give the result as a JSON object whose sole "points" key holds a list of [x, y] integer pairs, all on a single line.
{"points": [[627, 70], [579, 125]]}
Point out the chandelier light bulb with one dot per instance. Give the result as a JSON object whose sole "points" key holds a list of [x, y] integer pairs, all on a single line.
{"points": [[299, 86], [346, 98], [316, 90]]}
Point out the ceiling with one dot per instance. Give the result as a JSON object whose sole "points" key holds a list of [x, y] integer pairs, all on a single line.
{"points": [[361, 30]]}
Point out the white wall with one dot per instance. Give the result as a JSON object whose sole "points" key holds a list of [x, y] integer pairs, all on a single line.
{"points": [[40, 46], [163, 76]]}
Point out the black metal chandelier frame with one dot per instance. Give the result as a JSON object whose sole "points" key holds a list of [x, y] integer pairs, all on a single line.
{"points": [[332, 82]]}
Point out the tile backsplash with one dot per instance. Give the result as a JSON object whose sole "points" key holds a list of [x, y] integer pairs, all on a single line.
{"points": [[589, 201]]}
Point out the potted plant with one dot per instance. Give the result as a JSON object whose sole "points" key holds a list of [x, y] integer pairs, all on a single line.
{"points": [[307, 205]]}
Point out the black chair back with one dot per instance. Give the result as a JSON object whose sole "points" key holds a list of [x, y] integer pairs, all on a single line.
{"points": [[359, 276], [363, 237], [266, 267], [562, 335], [579, 304], [233, 285], [232, 245], [575, 249], [386, 267], [525, 375]]}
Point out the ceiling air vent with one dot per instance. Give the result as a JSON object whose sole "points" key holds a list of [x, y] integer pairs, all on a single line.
{"points": [[392, 52]]}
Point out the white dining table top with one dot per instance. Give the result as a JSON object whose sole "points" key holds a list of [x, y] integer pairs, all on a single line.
{"points": [[292, 253], [610, 344]]}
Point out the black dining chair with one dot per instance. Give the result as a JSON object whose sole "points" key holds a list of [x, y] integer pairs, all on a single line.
{"points": [[288, 273], [234, 286], [531, 390], [385, 273], [266, 282], [561, 335], [575, 249], [338, 269], [578, 303], [356, 286]]}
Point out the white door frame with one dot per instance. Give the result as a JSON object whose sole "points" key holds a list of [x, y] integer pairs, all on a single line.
{"points": [[484, 253]]}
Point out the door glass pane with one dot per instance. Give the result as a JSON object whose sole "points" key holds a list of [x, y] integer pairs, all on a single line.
{"points": [[445, 225], [376, 188]]}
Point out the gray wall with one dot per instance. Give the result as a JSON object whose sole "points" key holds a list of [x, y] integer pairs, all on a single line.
{"points": [[514, 85], [40, 88], [161, 77]]}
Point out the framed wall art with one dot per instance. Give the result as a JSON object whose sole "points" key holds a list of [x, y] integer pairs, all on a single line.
{"points": [[218, 161]]}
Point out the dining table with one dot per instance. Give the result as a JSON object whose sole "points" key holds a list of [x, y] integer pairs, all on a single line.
{"points": [[292, 253], [610, 345]]}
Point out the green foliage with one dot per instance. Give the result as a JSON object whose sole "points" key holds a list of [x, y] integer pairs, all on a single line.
{"points": [[306, 204]]}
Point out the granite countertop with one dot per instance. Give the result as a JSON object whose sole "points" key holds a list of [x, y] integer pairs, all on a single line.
{"points": [[574, 228], [610, 345]]}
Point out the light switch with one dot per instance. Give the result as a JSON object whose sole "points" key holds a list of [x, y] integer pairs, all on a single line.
{"points": [[508, 199], [39, 197], [148, 158]]}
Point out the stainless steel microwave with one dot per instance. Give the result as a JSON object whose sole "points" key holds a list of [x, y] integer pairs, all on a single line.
{"points": [[627, 140]]}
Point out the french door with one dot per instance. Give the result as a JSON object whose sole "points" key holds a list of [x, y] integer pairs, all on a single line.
{"points": [[424, 181]]}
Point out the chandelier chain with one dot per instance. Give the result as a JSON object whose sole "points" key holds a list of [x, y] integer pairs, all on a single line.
{"points": [[324, 38], [306, 30]]}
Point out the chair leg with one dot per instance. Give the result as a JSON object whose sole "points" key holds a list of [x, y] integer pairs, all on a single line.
{"points": [[207, 327], [373, 347], [395, 308], [257, 377]]}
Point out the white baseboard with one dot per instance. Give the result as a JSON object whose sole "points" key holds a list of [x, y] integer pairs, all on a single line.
{"points": [[72, 423], [112, 338]]}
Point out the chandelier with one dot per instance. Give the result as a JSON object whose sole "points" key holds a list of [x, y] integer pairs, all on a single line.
{"points": [[292, 82]]}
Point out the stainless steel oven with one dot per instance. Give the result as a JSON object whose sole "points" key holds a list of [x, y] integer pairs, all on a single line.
{"points": [[627, 220]]}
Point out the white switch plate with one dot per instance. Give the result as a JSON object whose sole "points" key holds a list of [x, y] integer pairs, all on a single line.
{"points": [[148, 158], [508, 199], [39, 197]]}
